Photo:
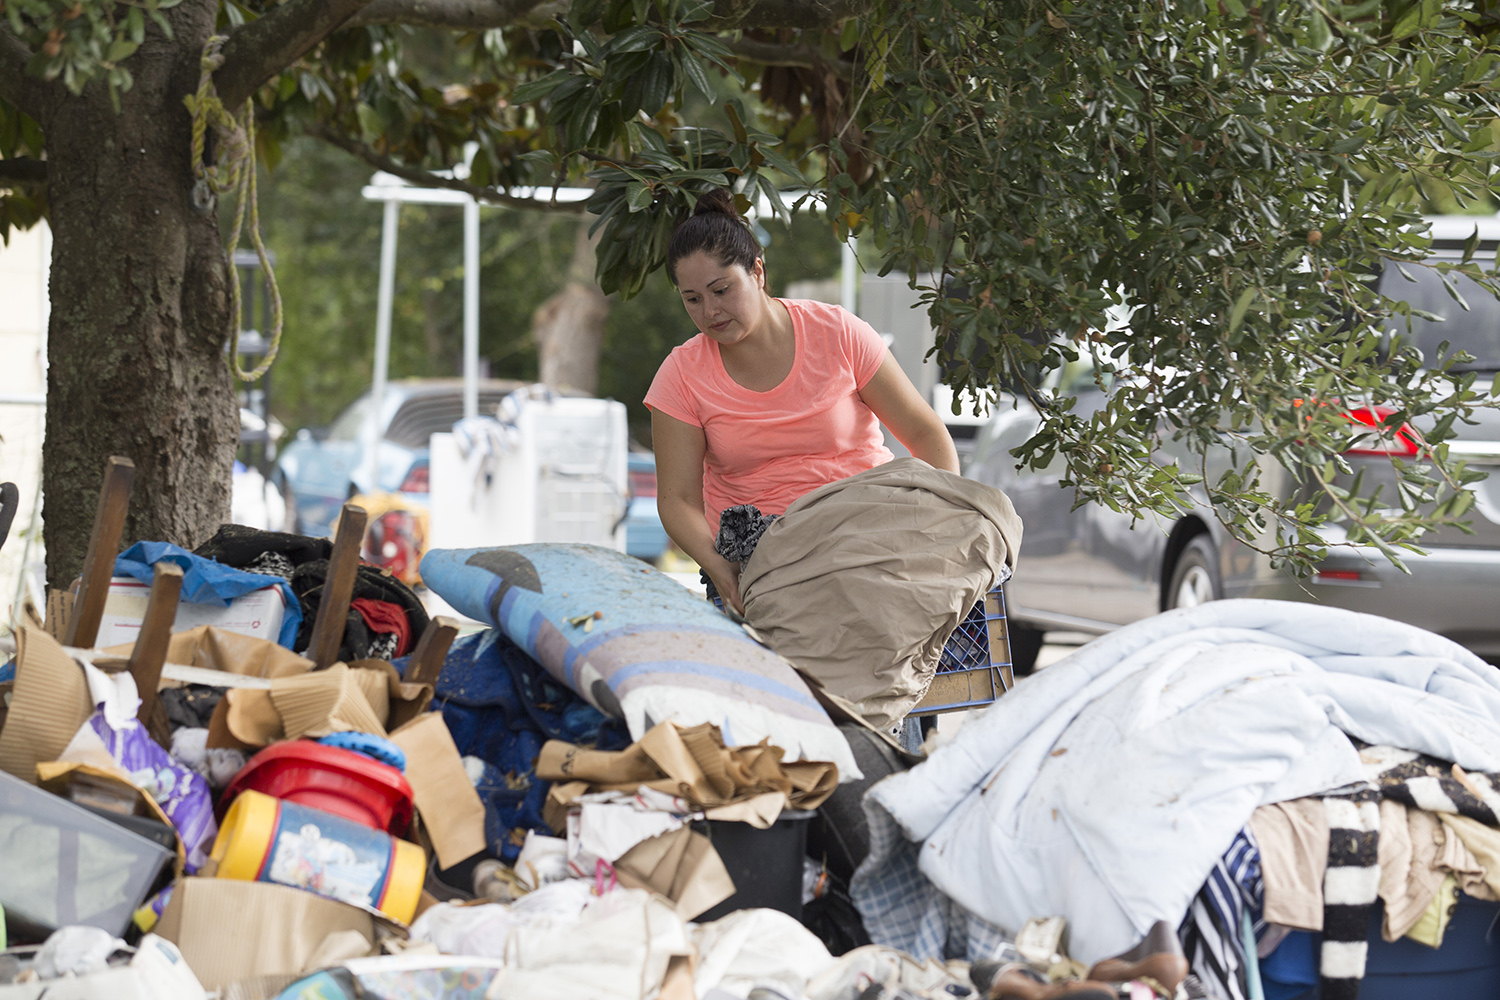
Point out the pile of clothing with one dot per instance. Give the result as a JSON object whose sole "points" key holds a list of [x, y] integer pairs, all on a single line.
{"points": [[1125, 786]]}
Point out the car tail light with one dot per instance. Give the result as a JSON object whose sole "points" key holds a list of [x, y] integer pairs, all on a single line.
{"points": [[1403, 443], [416, 480], [1336, 574], [643, 483]]}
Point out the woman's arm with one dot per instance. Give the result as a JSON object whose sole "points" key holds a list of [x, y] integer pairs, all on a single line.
{"points": [[679, 451], [901, 408]]}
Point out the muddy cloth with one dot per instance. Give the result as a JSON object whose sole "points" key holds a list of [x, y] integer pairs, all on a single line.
{"points": [[740, 529], [861, 582], [190, 706], [386, 618], [501, 706], [371, 583]]}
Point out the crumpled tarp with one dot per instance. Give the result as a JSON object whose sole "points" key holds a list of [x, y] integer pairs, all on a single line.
{"points": [[860, 583], [205, 581], [1104, 788]]}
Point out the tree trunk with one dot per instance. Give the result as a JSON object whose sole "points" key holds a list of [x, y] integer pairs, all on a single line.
{"points": [[140, 309], [569, 326]]}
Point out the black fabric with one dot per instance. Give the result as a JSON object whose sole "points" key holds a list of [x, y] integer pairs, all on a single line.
{"points": [[190, 706], [740, 529], [834, 919], [371, 582], [238, 545], [839, 835]]}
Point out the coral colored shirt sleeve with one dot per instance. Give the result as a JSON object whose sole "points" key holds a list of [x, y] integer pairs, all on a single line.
{"points": [[769, 448]]}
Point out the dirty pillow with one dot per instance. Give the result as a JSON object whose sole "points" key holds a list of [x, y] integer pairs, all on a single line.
{"points": [[637, 645]]}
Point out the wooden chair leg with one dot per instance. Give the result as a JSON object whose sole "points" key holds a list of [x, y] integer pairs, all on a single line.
{"points": [[150, 651], [338, 588], [104, 545], [432, 649]]}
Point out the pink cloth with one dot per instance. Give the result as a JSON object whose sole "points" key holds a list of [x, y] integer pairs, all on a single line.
{"points": [[769, 448]]}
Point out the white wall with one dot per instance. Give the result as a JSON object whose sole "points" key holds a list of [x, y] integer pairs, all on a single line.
{"points": [[23, 350]]}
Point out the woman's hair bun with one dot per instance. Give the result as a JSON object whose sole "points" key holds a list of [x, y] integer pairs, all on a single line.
{"points": [[717, 200]]}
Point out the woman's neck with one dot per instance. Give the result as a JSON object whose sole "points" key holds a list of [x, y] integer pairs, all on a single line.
{"points": [[762, 361]]}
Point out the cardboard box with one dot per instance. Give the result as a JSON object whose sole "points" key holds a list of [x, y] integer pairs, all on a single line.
{"points": [[258, 613], [230, 930]]}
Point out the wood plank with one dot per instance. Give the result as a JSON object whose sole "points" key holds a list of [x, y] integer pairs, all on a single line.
{"points": [[432, 649], [150, 652], [338, 588], [104, 546]]}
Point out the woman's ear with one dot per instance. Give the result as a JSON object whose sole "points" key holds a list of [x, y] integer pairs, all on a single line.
{"points": [[758, 272]]}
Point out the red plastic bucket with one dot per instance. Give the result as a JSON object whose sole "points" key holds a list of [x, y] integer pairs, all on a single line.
{"points": [[341, 782]]}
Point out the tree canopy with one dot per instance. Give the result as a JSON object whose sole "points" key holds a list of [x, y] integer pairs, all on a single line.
{"points": [[1226, 173]]}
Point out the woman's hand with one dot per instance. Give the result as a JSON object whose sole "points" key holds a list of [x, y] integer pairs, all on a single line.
{"points": [[726, 578]]}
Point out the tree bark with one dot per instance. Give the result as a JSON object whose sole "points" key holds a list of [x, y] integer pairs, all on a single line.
{"points": [[569, 326], [140, 309]]}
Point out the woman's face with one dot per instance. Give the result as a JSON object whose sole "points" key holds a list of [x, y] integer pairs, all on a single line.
{"points": [[725, 301]]}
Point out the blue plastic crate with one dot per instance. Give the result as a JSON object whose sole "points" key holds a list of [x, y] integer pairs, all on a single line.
{"points": [[975, 667]]}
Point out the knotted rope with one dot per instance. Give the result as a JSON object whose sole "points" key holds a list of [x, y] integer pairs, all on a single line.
{"points": [[234, 171]]}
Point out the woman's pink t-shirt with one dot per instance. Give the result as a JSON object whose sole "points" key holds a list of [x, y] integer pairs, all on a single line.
{"points": [[769, 448]]}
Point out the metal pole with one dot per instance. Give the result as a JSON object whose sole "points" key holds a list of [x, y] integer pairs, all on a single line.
{"points": [[471, 308], [849, 275], [386, 293]]}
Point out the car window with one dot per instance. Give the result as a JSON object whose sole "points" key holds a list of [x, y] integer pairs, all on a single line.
{"points": [[1475, 331], [350, 424]]}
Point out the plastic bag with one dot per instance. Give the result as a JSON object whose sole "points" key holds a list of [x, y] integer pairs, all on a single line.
{"points": [[181, 792]]}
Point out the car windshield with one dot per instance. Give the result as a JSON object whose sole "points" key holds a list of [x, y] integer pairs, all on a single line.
{"points": [[1475, 331]]}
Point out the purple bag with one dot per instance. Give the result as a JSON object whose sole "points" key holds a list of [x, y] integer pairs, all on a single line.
{"points": [[180, 791]]}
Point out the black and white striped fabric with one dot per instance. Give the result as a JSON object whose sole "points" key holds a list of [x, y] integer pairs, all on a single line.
{"points": [[1351, 884], [1211, 934]]}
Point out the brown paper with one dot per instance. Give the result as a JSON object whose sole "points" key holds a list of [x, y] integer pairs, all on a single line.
{"points": [[329, 701], [215, 649], [694, 764], [229, 930], [681, 865], [50, 701], [759, 811], [451, 810]]}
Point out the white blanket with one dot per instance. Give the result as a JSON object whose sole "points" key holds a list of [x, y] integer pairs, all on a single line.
{"points": [[1104, 788]]}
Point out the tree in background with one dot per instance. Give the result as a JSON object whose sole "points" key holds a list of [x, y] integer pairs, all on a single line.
{"points": [[1226, 171]]}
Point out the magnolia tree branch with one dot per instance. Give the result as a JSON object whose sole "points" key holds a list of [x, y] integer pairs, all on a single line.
{"points": [[461, 15], [424, 178], [23, 170], [29, 93], [472, 15], [804, 56], [264, 47]]}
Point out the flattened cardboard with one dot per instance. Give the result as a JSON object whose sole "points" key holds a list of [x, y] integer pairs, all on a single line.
{"points": [[681, 865], [315, 704], [230, 930], [451, 810], [215, 649], [50, 701]]}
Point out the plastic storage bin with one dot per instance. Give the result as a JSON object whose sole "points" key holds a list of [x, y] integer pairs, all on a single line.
{"points": [[61, 864], [338, 781], [766, 865], [1466, 967]]}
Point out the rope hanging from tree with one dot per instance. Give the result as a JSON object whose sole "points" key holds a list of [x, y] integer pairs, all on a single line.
{"points": [[234, 144]]}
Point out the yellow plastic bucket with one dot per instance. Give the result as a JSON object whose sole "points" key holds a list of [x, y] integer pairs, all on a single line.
{"points": [[269, 840]]}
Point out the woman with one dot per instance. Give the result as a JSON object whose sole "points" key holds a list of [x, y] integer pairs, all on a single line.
{"points": [[772, 399]]}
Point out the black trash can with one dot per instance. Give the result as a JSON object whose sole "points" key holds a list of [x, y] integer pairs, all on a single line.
{"points": [[766, 865]]}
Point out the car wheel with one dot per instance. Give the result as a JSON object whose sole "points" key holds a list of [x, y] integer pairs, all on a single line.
{"points": [[1195, 578], [1025, 644]]}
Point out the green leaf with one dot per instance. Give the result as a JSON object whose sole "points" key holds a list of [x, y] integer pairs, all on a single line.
{"points": [[694, 71], [1409, 23], [637, 39], [638, 198], [849, 35], [1241, 304], [1236, 9], [535, 90]]}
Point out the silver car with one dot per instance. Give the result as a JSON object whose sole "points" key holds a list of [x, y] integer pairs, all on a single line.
{"points": [[1092, 569]]}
